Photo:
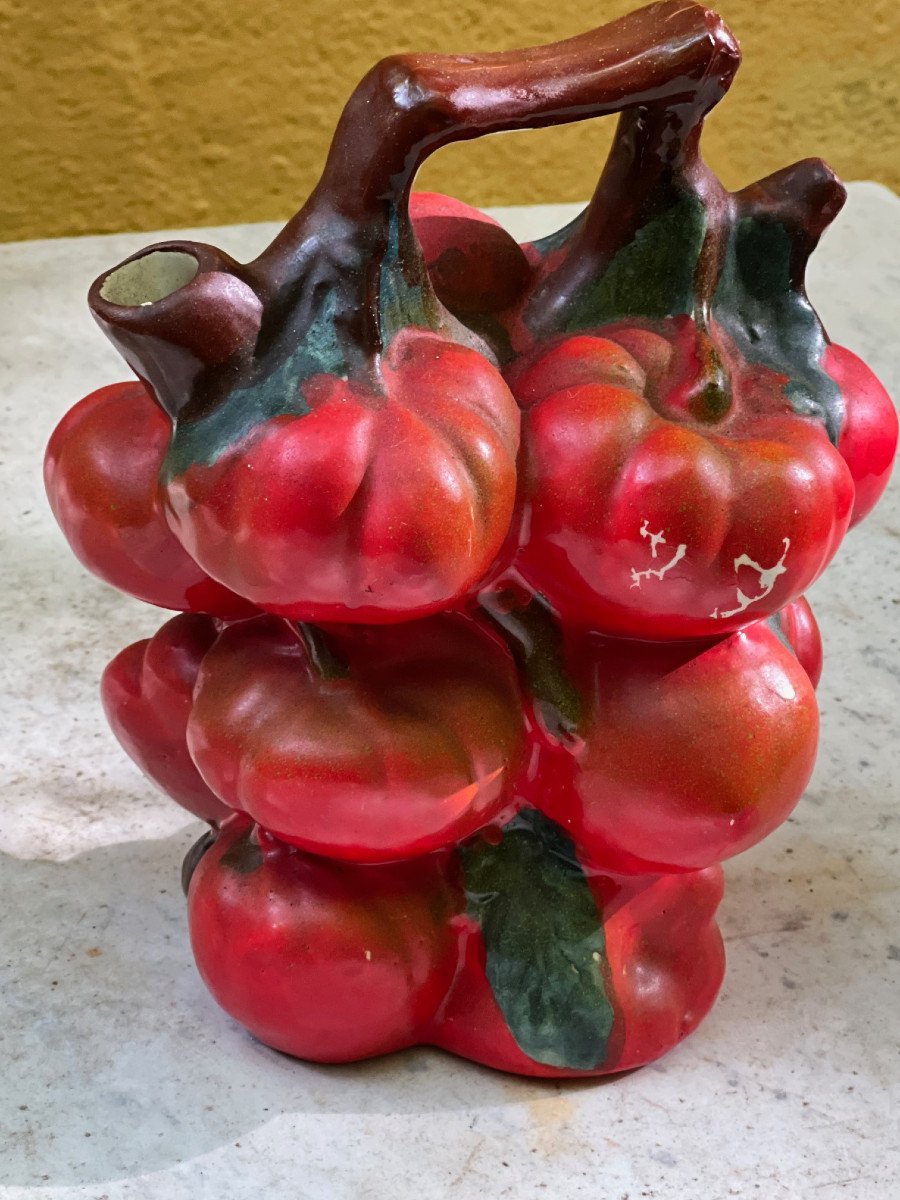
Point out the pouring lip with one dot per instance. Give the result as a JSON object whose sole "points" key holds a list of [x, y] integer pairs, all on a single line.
{"points": [[171, 269]]}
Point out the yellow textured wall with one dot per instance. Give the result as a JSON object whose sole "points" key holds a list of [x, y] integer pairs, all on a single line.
{"points": [[124, 114]]}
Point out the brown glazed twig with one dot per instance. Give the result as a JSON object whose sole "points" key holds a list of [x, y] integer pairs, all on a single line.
{"points": [[673, 54], [352, 241]]}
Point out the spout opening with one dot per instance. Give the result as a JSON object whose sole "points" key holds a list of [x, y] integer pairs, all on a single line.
{"points": [[152, 277]]}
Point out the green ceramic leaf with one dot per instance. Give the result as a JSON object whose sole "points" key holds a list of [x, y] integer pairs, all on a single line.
{"points": [[545, 942], [535, 639], [652, 276], [761, 303]]}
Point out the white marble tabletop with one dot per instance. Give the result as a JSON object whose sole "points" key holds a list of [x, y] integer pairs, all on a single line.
{"points": [[119, 1077]]}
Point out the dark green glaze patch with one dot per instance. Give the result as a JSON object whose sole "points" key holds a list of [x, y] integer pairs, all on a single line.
{"points": [[544, 940], [403, 299], [244, 856], [321, 651], [712, 403], [320, 336], [535, 639], [652, 276], [273, 393], [559, 238], [193, 856], [761, 303], [776, 624]]}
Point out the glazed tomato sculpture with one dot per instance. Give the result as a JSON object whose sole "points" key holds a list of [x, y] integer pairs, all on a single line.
{"points": [[694, 448], [490, 560]]}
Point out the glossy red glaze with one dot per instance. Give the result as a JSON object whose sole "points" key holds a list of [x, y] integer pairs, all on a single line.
{"points": [[409, 744], [641, 517], [686, 754], [147, 694], [868, 441], [328, 961], [375, 506], [101, 473], [665, 966]]}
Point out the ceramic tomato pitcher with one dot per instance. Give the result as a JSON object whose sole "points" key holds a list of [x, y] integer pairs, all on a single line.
{"points": [[489, 561]]}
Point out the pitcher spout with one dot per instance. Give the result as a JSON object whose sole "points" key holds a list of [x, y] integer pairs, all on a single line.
{"points": [[173, 311]]}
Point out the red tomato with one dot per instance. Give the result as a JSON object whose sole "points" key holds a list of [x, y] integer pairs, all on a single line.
{"points": [[644, 514], [146, 692], [101, 473], [319, 959], [685, 755], [475, 266], [409, 744], [367, 505], [868, 440], [797, 625]]}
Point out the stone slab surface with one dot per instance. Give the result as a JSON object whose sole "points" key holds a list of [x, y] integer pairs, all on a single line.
{"points": [[121, 1080]]}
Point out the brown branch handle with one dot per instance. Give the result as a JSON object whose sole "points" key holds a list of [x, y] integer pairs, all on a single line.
{"points": [[408, 106], [670, 57]]}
